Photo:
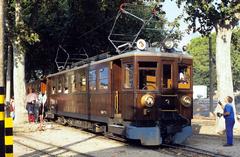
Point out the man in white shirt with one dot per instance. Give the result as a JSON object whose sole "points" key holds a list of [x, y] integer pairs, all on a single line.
{"points": [[42, 101]]}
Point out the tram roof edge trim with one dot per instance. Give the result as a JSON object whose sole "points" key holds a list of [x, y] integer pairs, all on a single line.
{"points": [[125, 55]]}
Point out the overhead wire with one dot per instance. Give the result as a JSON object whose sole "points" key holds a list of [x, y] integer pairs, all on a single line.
{"points": [[96, 27]]}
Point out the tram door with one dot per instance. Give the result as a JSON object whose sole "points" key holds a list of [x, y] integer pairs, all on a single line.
{"points": [[116, 88]]}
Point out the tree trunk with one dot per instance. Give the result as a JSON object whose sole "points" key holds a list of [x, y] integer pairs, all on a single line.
{"points": [[8, 77], [2, 129], [223, 67], [19, 71], [223, 63], [1, 43]]}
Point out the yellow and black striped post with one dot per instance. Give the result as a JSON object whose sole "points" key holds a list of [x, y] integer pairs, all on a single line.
{"points": [[8, 137], [6, 130], [2, 117]]}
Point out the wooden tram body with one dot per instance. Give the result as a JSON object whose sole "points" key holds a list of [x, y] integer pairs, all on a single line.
{"points": [[137, 95]]}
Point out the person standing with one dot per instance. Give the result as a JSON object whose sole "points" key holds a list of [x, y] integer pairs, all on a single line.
{"points": [[31, 101], [12, 108], [228, 115], [42, 100], [36, 108]]}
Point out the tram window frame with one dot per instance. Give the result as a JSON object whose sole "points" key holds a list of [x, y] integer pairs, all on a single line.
{"points": [[66, 84], [59, 84], [185, 73], [53, 86], [92, 81], [83, 82], [143, 68], [81, 79], [104, 77], [72, 79], [130, 83], [167, 83]]}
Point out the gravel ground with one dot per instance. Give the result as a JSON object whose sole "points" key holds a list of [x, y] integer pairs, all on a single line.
{"points": [[58, 140], [214, 144], [205, 137]]}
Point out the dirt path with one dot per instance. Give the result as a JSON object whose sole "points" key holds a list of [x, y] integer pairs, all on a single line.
{"points": [[66, 141], [59, 140]]}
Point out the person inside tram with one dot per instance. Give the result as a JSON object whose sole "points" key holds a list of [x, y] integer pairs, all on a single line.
{"points": [[182, 77]]}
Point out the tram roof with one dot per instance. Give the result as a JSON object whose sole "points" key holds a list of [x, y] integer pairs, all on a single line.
{"points": [[153, 52]]}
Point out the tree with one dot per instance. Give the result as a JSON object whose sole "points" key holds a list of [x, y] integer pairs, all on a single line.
{"points": [[55, 22], [78, 26], [223, 16], [18, 70], [1, 44], [235, 51], [198, 48], [2, 129], [19, 35]]}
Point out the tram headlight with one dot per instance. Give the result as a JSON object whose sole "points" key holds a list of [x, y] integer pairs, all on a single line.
{"points": [[168, 43], [186, 101], [147, 100]]}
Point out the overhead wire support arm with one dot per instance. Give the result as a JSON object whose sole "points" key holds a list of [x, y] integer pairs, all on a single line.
{"points": [[122, 44], [126, 12], [57, 62]]}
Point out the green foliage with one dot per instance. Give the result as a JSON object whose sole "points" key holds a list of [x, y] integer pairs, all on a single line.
{"points": [[235, 51], [204, 15], [198, 48], [79, 26]]}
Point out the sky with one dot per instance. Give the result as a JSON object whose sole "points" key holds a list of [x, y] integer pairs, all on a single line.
{"points": [[172, 11]]}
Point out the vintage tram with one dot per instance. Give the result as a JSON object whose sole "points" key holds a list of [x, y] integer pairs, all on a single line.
{"points": [[142, 95]]}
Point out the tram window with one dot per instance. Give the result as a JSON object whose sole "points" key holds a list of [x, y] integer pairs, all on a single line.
{"points": [[81, 79], [147, 75], [83, 83], [184, 76], [147, 64], [53, 86], [103, 78], [66, 90], [73, 83], [53, 90], [147, 79], [92, 79], [128, 76], [59, 86], [167, 76]]}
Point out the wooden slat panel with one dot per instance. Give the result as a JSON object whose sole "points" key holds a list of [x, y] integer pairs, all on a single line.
{"points": [[126, 104]]}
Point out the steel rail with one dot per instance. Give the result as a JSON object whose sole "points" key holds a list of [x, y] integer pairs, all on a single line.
{"points": [[189, 150]]}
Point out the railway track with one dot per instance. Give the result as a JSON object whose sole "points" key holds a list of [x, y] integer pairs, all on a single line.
{"points": [[188, 151], [175, 150]]}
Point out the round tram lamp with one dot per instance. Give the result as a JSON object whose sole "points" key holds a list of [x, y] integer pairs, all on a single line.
{"points": [[186, 101], [141, 44], [184, 48], [168, 43], [147, 100]]}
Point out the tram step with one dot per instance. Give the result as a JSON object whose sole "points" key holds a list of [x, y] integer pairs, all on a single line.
{"points": [[116, 129]]}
